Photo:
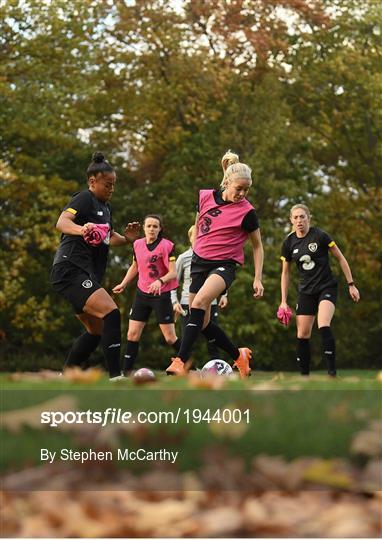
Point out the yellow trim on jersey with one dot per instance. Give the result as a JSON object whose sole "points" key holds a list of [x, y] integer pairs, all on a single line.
{"points": [[332, 243], [72, 211], [172, 258], [283, 258]]}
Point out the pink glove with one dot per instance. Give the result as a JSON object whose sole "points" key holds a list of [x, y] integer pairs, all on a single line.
{"points": [[97, 234], [284, 315]]}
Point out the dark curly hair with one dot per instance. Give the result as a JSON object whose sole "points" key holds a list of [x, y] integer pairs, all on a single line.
{"points": [[98, 165]]}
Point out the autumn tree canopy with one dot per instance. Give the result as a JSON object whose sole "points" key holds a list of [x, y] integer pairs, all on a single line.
{"points": [[293, 86]]}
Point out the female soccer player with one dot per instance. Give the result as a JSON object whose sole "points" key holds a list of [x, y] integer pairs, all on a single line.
{"points": [[224, 221], [154, 263], [80, 263], [183, 270], [317, 292]]}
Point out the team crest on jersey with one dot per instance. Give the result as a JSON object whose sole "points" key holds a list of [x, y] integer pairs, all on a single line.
{"points": [[87, 284], [313, 247]]}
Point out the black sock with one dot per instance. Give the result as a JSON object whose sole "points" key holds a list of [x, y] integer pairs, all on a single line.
{"points": [[191, 332], [213, 332], [328, 349], [131, 354], [111, 341], [176, 345], [303, 355], [213, 351], [82, 349]]}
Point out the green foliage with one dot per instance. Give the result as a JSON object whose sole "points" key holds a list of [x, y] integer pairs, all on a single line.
{"points": [[28, 239]]}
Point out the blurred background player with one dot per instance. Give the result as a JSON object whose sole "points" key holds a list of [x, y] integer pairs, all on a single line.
{"points": [[79, 266], [224, 221], [183, 268], [154, 264], [309, 248]]}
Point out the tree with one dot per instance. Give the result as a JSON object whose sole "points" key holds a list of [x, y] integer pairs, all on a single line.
{"points": [[292, 85]]}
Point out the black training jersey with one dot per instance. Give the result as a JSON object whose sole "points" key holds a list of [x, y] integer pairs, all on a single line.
{"points": [[311, 255], [93, 259]]}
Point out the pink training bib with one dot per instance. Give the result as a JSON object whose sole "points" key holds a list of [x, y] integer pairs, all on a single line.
{"points": [[97, 234], [219, 232], [153, 264]]}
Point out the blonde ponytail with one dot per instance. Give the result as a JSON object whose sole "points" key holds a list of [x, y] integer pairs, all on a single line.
{"points": [[228, 159], [191, 234], [233, 169]]}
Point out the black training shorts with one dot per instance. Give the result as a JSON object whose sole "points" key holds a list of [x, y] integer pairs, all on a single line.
{"points": [[307, 304], [200, 273], [74, 284], [144, 304]]}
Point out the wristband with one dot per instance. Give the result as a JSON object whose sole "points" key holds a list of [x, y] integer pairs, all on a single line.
{"points": [[351, 284], [161, 280]]}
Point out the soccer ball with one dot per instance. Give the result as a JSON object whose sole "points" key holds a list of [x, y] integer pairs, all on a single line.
{"points": [[216, 367], [143, 375]]}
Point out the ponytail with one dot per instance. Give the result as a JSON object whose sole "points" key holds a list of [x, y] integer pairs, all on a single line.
{"points": [[233, 169], [228, 159]]}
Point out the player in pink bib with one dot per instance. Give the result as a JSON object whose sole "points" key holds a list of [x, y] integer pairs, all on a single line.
{"points": [[154, 264], [225, 220]]}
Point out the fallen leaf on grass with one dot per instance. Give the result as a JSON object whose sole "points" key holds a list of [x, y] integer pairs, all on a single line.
{"points": [[362, 414], [216, 460], [318, 378], [127, 514], [207, 382], [161, 517], [229, 430], [352, 379], [193, 488], [272, 472], [163, 477], [328, 472], [368, 442], [265, 386], [371, 479], [342, 520], [43, 375], [256, 514], [224, 521], [278, 377], [284, 514], [37, 526], [87, 376]]}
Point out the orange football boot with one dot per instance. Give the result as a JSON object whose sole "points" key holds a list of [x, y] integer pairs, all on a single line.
{"points": [[242, 363], [176, 367]]}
